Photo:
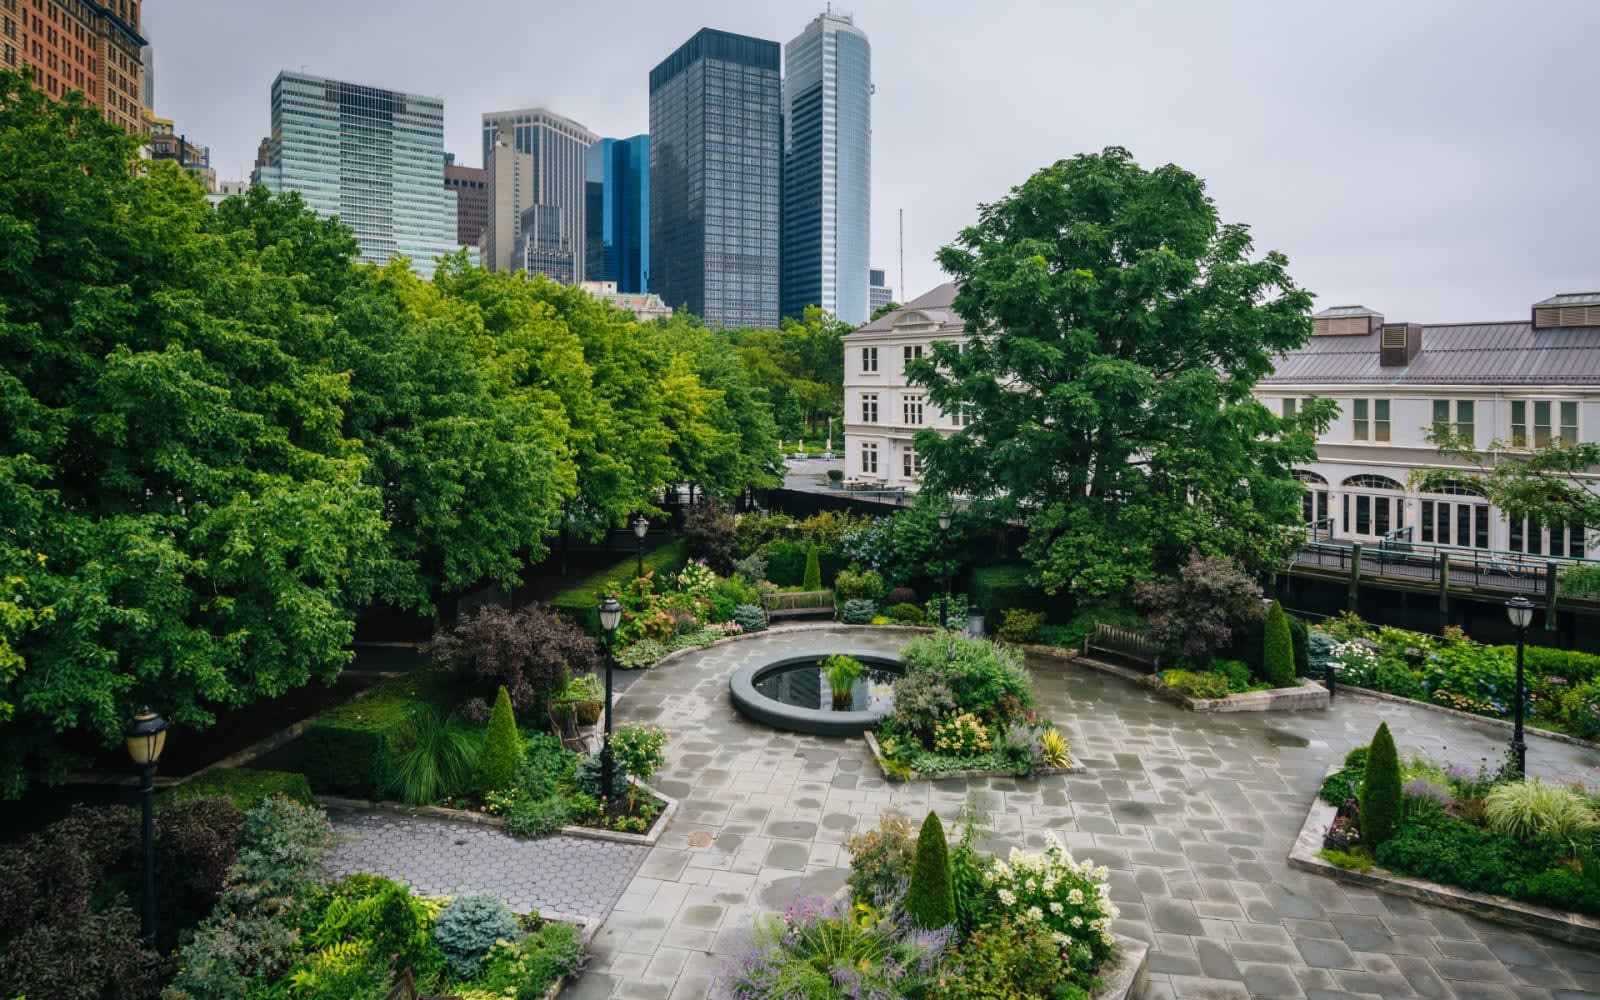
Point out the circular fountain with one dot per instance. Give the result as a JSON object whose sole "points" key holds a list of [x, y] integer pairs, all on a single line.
{"points": [[792, 694]]}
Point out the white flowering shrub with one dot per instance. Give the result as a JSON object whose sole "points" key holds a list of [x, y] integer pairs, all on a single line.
{"points": [[1068, 898]]}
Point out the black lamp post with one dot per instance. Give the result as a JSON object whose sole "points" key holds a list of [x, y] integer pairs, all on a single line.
{"points": [[146, 737], [640, 527], [1520, 611], [944, 595], [610, 616]]}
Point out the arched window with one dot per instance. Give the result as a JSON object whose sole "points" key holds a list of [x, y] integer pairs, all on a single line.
{"points": [[1366, 481], [1308, 477], [1314, 502], [1373, 508], [1455, 488]]}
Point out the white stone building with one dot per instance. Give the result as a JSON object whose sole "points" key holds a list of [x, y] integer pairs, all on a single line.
{"points": [[882, 411], [1523, 383]]}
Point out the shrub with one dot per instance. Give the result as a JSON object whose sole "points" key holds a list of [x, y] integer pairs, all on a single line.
{"points": [[474, 711], [197, 840], [987, 679], [1300, 638], [955, 611], [526, 969], [1235, 672], [841, 672], [708, 533], [581, 601], [1062, 897], [468, 927], [1440, 848], [89, 956], [907, 614], [961, 735], [1054, 749], [380, 913], [1018, 747], [752, 569], [1525, 809], [786, 562], [921, 699], [1319, 649], [750, 617], [997, 587], [1380, 790], [1201, 611], [246, 786], [1580, 581], [858, 612], [1342, 785], [436, 760], [586, 776], [1017, 625], [529, 652], [1561, 888], [350, 749], [858, 583], [901, 595], [880, 861], [637, 749], [1202, 684], [813, 577], [641, 654], [502, 749], [930, 900], [1006, 960], [1277, 656], [527, 816], [835, 475]]}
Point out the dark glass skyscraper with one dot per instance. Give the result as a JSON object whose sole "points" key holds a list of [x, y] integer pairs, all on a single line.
{"points": [[715, 176], [618, 213]]}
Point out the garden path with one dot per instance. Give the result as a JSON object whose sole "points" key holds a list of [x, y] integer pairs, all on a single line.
{"points": [[1194, 815]]}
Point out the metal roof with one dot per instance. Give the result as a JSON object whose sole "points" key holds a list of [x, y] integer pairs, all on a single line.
{"points": [[1455, 354], [1334, 312], [936, 304], [1571, 299]]}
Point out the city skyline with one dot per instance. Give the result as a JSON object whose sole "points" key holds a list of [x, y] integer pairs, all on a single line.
{"points": [[1455, 190]]}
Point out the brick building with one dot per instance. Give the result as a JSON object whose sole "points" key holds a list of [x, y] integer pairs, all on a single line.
{"points": [[79, 45]]}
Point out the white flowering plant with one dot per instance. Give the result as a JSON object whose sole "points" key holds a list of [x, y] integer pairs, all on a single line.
{"points": [[1070, 899]]}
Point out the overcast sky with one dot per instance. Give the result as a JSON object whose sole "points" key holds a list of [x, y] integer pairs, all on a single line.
{"points": [[1433, 160]]}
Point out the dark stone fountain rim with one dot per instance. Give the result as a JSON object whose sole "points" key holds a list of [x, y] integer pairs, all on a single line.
{"points": [[754, 705]]}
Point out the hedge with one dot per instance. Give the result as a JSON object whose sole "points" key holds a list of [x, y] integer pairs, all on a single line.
{"points": [[786, 562], [582, 598], [244, 785], [350, 748], [1001, 588]]}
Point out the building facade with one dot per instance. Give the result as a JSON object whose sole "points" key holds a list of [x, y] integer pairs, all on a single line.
{"points": [[80, 45], [1510, 385], [535, 157], [827, 169], [618, 213], [166, 144], [645, 306], [878, 293], [715, 176], [883, 411], [372, 157], [471, 185]]}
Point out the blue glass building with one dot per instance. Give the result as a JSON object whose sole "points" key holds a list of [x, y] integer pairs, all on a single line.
{"points": [[372, 157], [715, 176], [827, 169], [618, 213]]}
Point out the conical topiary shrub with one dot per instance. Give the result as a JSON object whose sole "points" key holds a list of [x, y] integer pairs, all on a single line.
{"points": [[813, 577], [1380, 790], [497, 761], [1277, 654], [931, 899]]}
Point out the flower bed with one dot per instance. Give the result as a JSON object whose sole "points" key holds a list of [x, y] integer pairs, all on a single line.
{"points": [[1454, 672], [1487, 832], [966, 707], [920, 920]]}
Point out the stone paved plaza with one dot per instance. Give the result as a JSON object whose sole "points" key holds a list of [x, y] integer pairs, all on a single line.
{"points": [[1194, 815], [569, 877]]}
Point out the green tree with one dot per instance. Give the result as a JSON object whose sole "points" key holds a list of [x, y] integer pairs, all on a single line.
{"points": [[1548, 483], [1380, 790], [175, 481], [1277, 655], [1116, 329], [930, 898], [502, 748], [813, 576]]}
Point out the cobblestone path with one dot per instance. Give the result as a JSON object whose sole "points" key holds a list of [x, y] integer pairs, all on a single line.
{"points": [[567, 877], [1194, 814]]}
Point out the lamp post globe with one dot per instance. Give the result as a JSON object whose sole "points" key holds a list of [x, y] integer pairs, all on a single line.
{"points": [[610, 618], [1520, 610], [641, 527], [146, 738]]}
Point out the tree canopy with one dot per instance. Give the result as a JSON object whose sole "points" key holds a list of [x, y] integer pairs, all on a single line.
{"points": [[1552, 483], [1116, 327]]}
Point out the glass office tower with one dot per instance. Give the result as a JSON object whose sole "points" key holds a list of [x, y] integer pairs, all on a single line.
{"points": [[535, 157], [619, 213], [372, 157], [827, 169], [715, 174]]}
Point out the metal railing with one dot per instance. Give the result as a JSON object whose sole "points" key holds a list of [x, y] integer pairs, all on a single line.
{"points": [[1495, 569]]}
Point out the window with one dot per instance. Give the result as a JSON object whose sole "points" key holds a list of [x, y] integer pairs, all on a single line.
{"points": [[1290, 405], [912, 351], [1552, 420], [1371, 419], [911, 464], [1465, 412], [1569, 422], [869, 360], [869, 458], [960, 418], [913, 411], [1519, 423], [1380, 420], [1363, 423], [869, 407]]}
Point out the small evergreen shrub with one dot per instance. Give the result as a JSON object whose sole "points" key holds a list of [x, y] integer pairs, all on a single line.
{"points": [[907, 614], [1018, 625], [813, 578], [1277, 653], [1380, 790], [901, 595], [930, 898], [752, 569], [469, 926], [1201, 684], [857, 583], [1300, 636], [750, 617], [474, 712], [858, 612], [497, 761], [587, 777]]}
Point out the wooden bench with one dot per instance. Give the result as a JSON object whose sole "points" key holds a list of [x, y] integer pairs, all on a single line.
{"points": [[798, 604], [1123, 643]]}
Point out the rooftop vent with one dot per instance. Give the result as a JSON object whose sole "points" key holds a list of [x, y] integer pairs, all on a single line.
{"points": [[1399, 344], [1345, 321], [1568, 309]]}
